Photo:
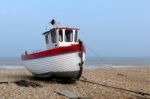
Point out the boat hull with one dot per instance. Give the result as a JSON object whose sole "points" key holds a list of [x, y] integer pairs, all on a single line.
{"points": [[64, 65]]}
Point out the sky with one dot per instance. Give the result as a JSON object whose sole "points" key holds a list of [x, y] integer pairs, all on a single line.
{"points": [[112, 28]]}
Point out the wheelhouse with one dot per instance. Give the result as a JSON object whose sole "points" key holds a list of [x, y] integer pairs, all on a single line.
{"points": [[59, 37]]}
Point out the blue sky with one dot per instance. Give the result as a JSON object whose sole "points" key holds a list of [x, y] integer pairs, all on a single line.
{"points": [[110, 27]]}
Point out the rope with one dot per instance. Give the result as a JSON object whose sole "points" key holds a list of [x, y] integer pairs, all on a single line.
{"points": [[105, 62], [118, 73], [136, 92], [108, 64]]}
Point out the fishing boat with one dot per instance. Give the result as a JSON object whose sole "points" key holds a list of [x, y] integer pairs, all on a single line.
{"points": [[64, 56]]}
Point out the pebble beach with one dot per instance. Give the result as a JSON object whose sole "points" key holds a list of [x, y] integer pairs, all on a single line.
{"points": [[102, 83]]}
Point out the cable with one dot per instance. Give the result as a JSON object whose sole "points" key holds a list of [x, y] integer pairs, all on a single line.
{"points": [[104, 61], [108, 86]]}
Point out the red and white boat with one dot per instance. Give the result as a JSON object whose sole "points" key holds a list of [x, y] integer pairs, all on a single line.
{"points": [[64, 56]]}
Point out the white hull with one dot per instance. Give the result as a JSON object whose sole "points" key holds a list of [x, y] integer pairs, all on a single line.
{"points": [[60, 65]]}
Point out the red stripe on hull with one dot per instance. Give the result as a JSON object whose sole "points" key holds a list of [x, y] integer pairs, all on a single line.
{"points": [[53, 52]]}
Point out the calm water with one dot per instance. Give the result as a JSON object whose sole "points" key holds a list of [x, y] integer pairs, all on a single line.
{"points": [[90, 62], [10, 63], [118, 61]]}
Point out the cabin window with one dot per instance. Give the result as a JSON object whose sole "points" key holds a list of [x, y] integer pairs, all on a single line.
{"points": [[76, 36], [46, 38], [60, 35], [53, 36], [68, 35]]}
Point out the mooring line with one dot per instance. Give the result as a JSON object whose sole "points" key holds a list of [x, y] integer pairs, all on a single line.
{"points": [[104, 61], [110, 65], [123, 89], [118, 73]]}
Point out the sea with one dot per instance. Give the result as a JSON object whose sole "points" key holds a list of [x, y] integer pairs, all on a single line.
{"points": [[91, 62]]}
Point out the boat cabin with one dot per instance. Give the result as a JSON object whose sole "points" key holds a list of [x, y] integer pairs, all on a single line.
{"points": [[59, 37]]}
